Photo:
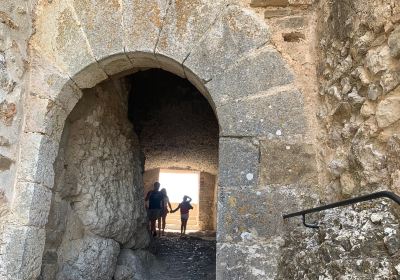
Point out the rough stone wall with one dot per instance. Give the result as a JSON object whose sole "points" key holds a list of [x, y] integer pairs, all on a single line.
{"points": [[359, 87], [97, 203], [359, 74], [15, 30]]}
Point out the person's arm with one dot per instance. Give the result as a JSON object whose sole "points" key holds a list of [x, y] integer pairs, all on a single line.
{"points": [[179, 206], [147, 196], [190, 199], [170, 206]]}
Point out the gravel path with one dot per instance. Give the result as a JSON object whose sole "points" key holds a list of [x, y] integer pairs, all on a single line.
{"points": [[188, 258]]}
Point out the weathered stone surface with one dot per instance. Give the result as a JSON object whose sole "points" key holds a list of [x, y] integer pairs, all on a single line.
{"points": [[36, 162], [238, 162], [253, 213], [272, 113], [102, 27], [388, 110], [44, 116], [255, 260], [236, 32], [89, 258], [103, 169], [379, 59], [184, 24], [348, 184], [394, 42], [229, 86], [21, 250], [287, 163], [347, 244], [31, 204], [49, 82], [279, 3], [142, 24], [60, 38], [117, 64]]}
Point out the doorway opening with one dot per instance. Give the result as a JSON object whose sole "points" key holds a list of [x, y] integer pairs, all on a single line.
{"points": [[179, 183], [122, 136]]}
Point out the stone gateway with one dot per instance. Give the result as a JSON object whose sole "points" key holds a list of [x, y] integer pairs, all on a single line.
{"points": [[302, 97]]}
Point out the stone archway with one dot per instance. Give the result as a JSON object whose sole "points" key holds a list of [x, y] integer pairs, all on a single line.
{"points": [[221, 47]]}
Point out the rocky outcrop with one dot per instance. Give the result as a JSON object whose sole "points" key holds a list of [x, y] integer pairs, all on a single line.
{"points": [[97, 205]]}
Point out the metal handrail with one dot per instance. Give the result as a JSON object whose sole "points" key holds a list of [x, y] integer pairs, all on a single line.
{"points": [[350, 201]]}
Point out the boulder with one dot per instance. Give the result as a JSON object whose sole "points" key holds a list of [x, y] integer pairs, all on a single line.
{"points": [[90, 257]]}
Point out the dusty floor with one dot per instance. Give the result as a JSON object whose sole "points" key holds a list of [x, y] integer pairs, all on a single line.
{"points": [[188, 258]]}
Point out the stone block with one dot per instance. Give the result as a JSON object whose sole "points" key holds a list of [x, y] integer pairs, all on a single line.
{"points": [[101, 22], [266, 3], [238, 162], [38, 153], [143, 60], [116, 64], [142, 24], [236, 32], [49, 82], [251, 261], [44, 116], [60, 37], [293, 22], [286, 163], [280, 3], [31, 204], [277, 13], [248, 214], [277, 114], [261, 70], [185, 23], [21, 252]]}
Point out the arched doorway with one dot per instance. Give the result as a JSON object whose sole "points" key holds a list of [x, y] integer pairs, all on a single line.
{"points": [[120, 131], [221, 47]]}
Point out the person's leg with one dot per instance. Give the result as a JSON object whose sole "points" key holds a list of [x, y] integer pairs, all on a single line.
{"points": [[184, 226], [164, 217], [159, 225], [153, 227], [182, 222]]}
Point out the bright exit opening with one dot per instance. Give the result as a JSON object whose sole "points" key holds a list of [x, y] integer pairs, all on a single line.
{"points": [[179, 183]]}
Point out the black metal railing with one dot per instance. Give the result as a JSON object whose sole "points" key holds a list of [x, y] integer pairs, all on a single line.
{"points": [[350, 201]]}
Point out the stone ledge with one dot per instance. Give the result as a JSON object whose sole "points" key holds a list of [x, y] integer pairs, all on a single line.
{"points": [[280, 3]]}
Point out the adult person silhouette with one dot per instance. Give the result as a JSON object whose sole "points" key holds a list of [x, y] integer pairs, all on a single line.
{"points": [[165, 209], [156, 205]]}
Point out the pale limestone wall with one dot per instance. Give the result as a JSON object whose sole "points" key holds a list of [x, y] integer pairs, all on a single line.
{"points": [[15, 31]]}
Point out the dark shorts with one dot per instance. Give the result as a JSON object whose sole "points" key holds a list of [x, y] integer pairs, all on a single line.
{"points": [[154, 214]]}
